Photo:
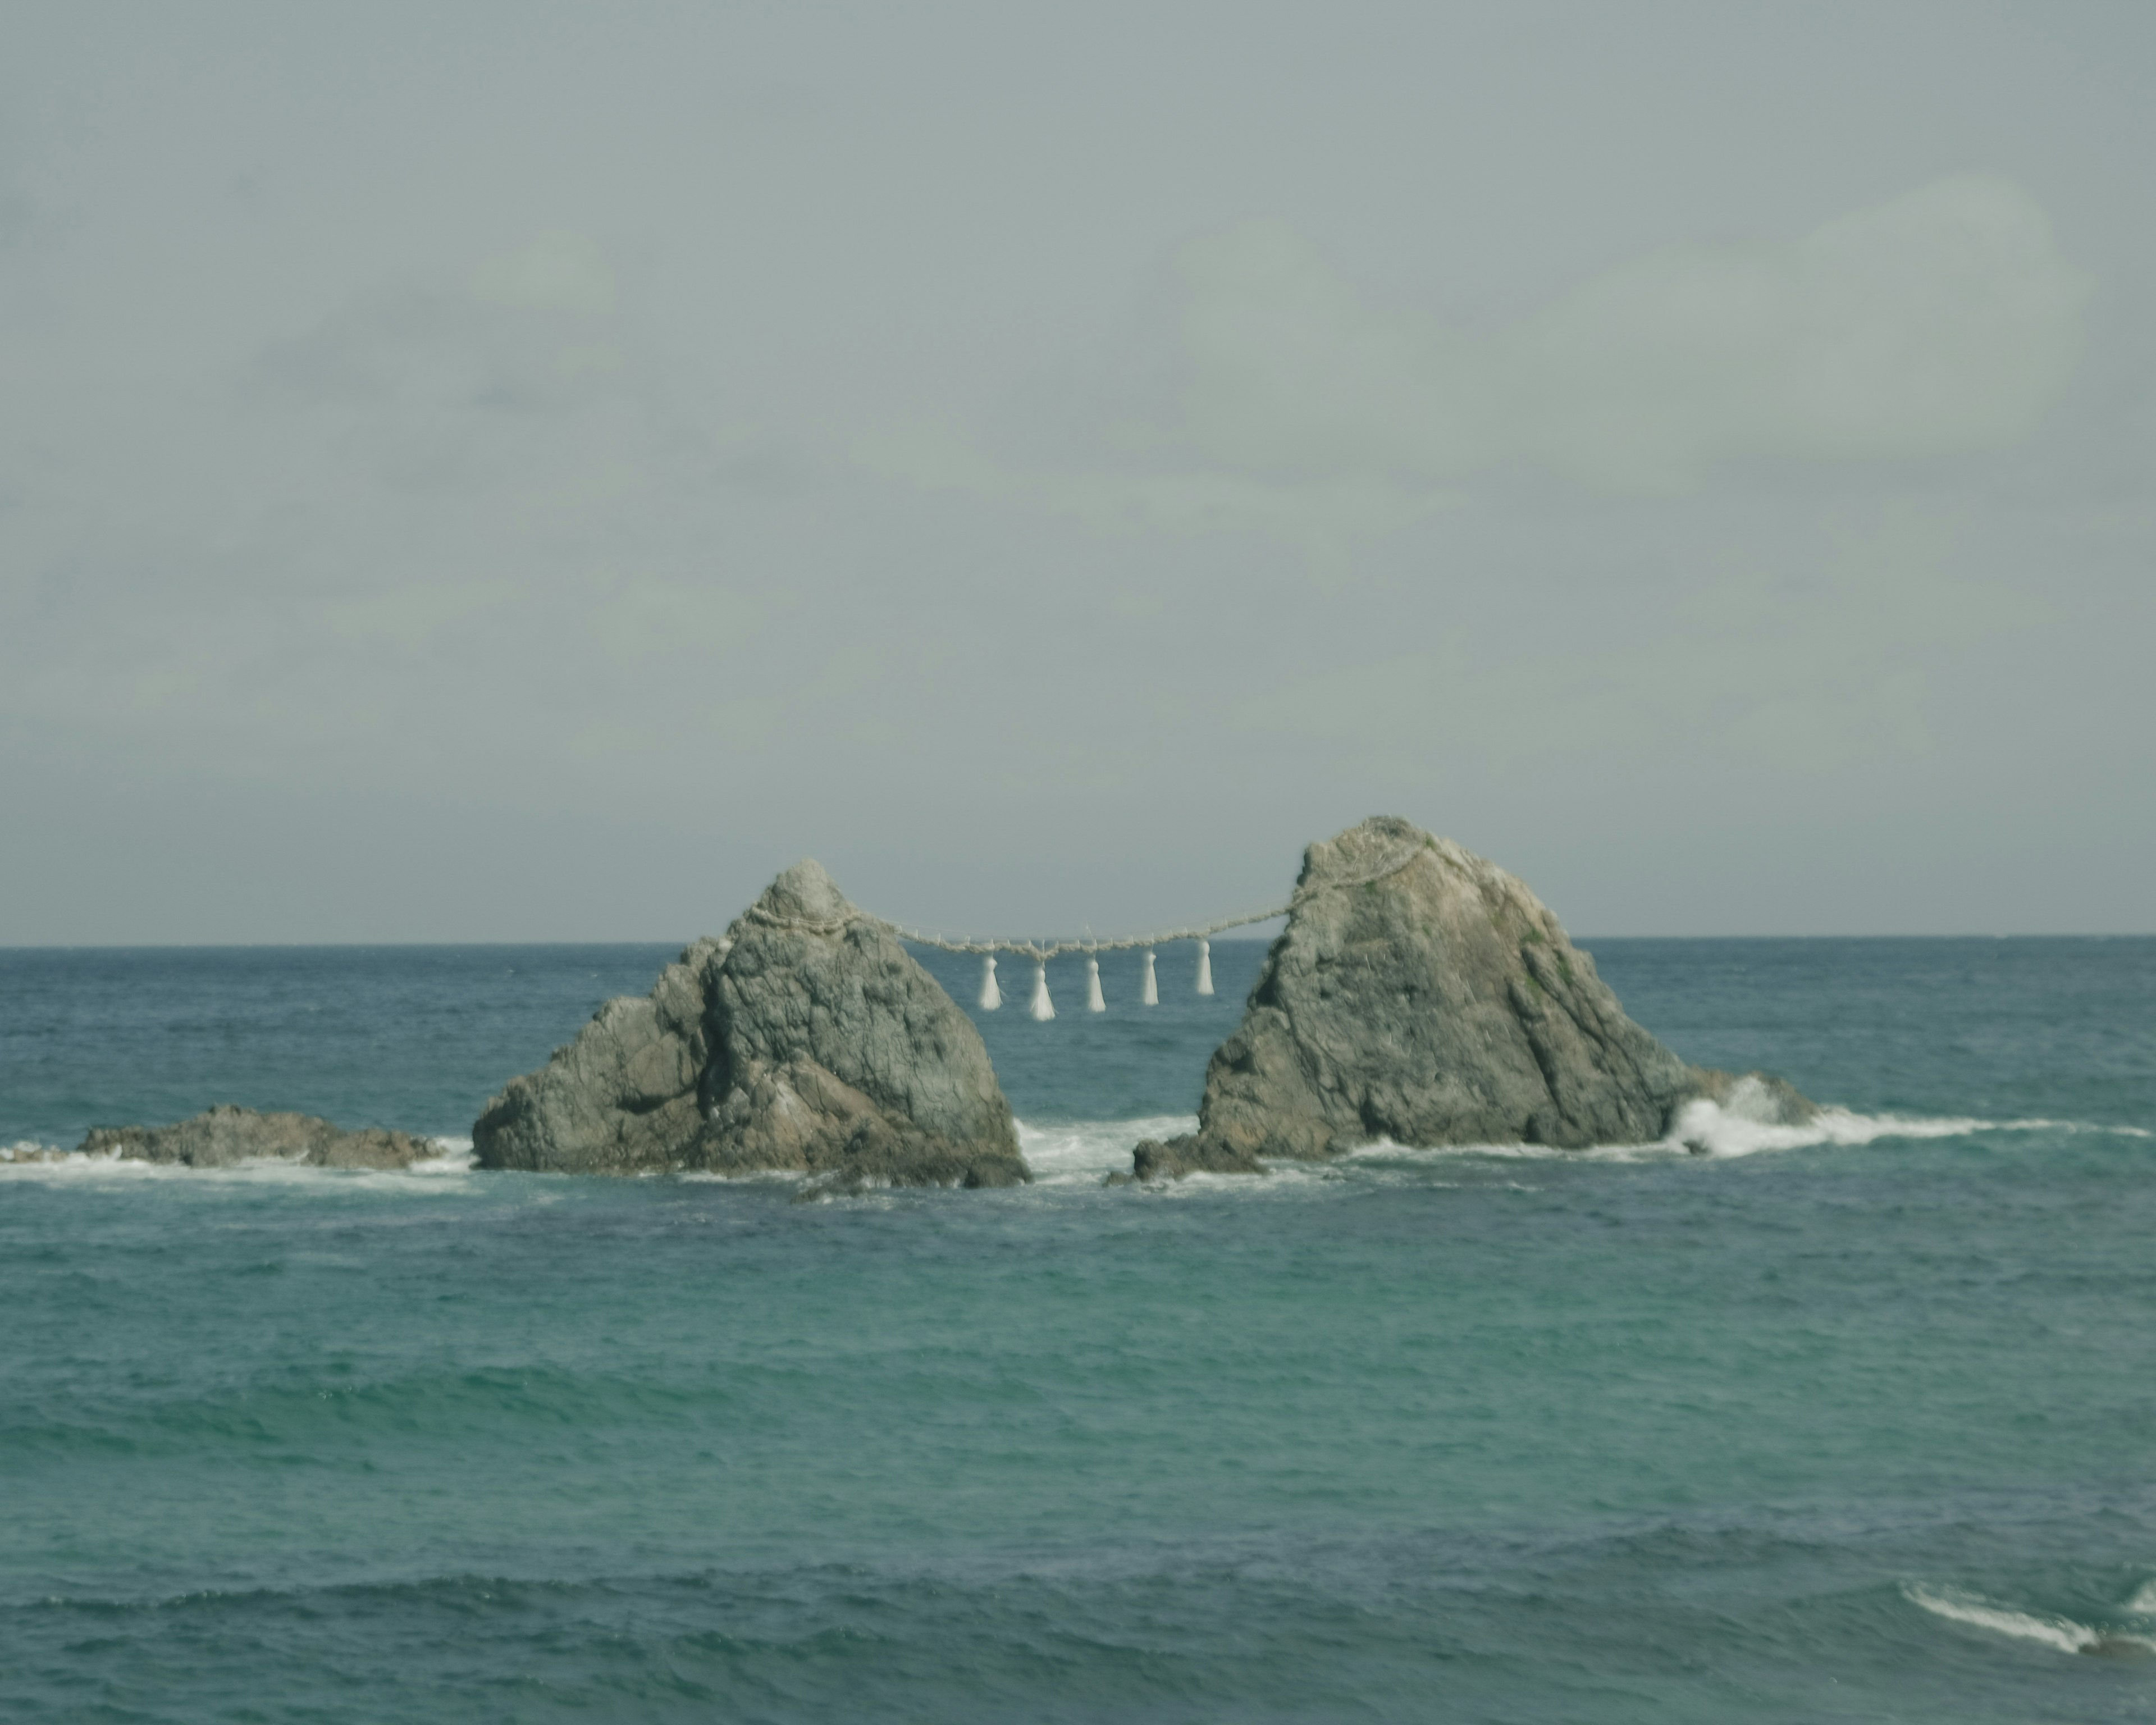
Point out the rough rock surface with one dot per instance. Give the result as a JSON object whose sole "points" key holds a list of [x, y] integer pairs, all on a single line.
{"points": [[804, 1038], [1423, 995], [224, 1135]]}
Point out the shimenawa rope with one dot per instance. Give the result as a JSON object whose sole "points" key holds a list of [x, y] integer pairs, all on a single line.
{"points": [[1040, 952]]}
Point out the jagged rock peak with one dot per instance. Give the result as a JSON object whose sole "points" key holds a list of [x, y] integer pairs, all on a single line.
{"points": [[1421, 994], [1370, 851], [805, 1038], [805, 893]]}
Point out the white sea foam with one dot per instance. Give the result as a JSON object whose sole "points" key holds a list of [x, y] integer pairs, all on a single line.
{"points": [[1739, 1130], [2143, 1602], [1709, 1129], [36, 1160], [1745, 1126], [458, 1157], [1082, 1153], [748, 1177], [29, 1160], [2061, 1633], [1085, 1151]]}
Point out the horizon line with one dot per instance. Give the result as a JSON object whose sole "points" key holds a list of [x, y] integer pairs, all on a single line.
{"points": [[1217, 940]]}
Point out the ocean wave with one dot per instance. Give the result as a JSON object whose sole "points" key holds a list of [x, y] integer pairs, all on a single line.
{"points": [[1081, 1153], [1708, 1129], [743, 1177], [1074, 1154], [458, 1157], [2062, 1634], [28, 1159]]}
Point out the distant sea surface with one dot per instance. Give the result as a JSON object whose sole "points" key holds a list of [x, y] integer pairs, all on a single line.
{"points": [[1853, 1423]]}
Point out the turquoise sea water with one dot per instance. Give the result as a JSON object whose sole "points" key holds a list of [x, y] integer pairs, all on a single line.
{"points": [[1858, 1427]]}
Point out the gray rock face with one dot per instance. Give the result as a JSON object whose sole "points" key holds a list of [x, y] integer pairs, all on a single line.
{"points": [[225, 1136], [623, 1098], [804, 1038], [1423, 995]]}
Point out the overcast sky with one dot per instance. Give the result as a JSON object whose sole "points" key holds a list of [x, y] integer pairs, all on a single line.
{"points": [[529, 472]]}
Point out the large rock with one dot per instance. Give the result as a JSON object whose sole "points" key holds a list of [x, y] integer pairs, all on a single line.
{"points": [[1423, 995], [224, 1137], [804, 1038]]}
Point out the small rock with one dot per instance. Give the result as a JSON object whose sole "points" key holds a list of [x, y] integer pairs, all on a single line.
{"points": [[224, 1135]]}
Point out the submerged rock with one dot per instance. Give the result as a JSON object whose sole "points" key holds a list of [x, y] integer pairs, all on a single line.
{"points": [[805, 1038], [224, 1135], [1421, 994]]}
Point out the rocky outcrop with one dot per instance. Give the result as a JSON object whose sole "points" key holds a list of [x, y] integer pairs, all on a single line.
{"points": [[805, 1038], [623, 1098], [224, 1137], [1422, 995]]}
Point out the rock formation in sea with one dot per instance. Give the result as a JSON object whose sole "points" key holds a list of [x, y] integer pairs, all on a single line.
{"points": [[224, 1135], [805, 1038], [1422, 995]]}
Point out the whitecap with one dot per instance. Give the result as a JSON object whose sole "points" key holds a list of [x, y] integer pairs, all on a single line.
{"points": [[50, 1163], [1083, 1151], [458, 1157], [2061, 1633], [1745, 1126], [1703, 1127], [2143, 1602], [742, 1177]]}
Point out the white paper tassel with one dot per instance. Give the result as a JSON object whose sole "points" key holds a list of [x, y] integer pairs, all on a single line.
{"points": [[1043, 1007], [1149, 995], [1205, 967], [1094, 1003], [992, 997]]}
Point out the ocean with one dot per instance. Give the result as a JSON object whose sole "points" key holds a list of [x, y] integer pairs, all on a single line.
{"points": [[1854, 1423]]}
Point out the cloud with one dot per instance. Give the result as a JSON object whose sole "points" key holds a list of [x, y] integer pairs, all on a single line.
{"points": [[413, 351], [429, 391], [1802, 675], [1946, 320], [532, 336], [556, 272], [411, 614], [1321, 516], [16, 211], [637, 617]]}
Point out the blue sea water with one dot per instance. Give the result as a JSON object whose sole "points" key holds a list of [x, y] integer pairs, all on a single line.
{"points": [[1856, 1424]]}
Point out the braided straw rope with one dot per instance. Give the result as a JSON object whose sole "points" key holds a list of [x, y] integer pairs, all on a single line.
{"points": [[1391, 863]]}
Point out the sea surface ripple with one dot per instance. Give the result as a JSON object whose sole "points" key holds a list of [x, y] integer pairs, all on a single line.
{"points": [[1853, 1423]]}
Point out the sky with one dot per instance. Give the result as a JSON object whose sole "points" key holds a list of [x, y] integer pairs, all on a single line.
{"points": [[529, 472]]}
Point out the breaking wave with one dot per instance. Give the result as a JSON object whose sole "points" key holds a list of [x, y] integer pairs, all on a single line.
{"points": [[28, 1159], [1084, 1152], [1706, 1128], [2062, 1634]]}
